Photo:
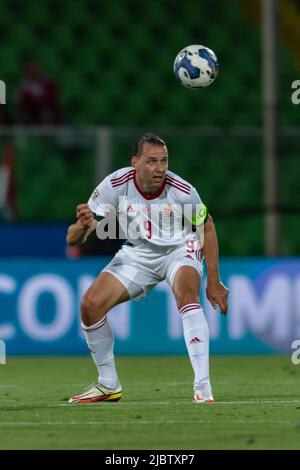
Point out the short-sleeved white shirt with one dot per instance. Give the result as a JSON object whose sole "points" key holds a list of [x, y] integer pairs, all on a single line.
{"points": [[150, 221]]}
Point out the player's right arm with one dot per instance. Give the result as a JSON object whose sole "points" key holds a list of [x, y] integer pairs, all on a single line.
{"points": [[102, 200], [84, 226]]}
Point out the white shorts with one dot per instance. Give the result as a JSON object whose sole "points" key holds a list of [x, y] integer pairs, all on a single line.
{"points": [[140, 271]]}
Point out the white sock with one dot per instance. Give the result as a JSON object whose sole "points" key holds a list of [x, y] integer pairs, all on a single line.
{"points": [[196, 335], [100, 342]]}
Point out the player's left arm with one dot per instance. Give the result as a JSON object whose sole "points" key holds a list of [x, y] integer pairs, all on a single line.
{"points": [[216, 292], [204, 226]]}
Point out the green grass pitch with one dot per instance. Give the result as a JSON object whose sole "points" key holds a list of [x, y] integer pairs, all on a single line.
{"points": [[257, 405]]}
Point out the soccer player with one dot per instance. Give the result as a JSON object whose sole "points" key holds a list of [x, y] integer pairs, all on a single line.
{"points": [[164, 220]]}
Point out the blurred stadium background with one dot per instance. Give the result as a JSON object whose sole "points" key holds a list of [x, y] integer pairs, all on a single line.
{"points": [[108, 73]]}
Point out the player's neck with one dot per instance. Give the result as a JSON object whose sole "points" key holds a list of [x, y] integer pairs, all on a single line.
{"points": [[144, 188]]}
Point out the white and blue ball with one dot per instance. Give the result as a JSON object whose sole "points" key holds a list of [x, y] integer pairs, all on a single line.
{"points": [[196, 66]]}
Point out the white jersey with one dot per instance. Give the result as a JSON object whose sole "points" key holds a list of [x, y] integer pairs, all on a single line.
{"points": [[150, 221]]}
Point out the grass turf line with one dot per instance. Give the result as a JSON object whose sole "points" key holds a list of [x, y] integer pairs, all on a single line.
{"points": [[257, 405]]}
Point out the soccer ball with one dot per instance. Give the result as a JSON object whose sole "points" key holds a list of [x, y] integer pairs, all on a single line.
{"points": [[196, 66]]}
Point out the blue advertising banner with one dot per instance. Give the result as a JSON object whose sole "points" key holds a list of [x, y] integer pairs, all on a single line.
{"points": [[40, 303]]}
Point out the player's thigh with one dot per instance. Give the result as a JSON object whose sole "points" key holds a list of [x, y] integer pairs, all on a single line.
{"points": [[104, 293], [186, 286]]}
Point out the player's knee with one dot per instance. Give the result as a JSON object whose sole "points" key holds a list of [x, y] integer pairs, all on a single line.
{"points": [[91, 311]]}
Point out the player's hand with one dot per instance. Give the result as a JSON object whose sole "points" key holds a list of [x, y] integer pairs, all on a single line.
{"points": [[217, 294], [84, 215]]}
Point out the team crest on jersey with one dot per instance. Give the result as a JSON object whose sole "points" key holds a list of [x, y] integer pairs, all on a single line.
{"points": [[95, 194]]}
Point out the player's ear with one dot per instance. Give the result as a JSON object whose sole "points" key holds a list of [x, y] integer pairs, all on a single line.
{"points": [[134, 160]]}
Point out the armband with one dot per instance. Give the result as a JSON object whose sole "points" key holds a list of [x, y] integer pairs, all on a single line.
{"points": [[200, 216]]}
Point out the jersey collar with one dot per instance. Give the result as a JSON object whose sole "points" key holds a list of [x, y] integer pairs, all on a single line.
{"points": [[150, 196]]}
